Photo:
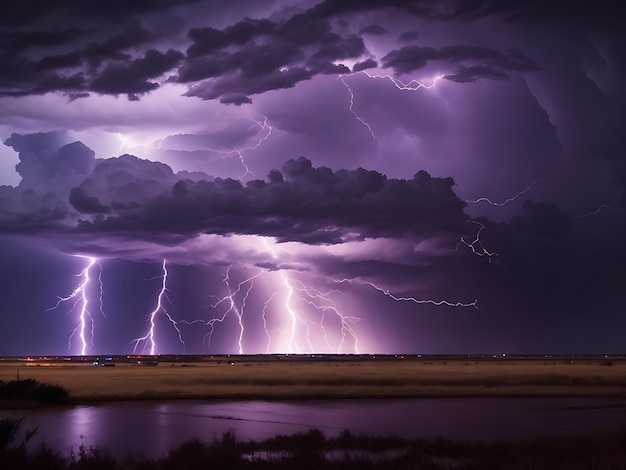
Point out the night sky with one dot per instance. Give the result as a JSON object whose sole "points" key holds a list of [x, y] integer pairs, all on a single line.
{"points": [[335, 176]]}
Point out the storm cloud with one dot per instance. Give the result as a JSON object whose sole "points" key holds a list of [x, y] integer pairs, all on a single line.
{"points": [[230, 64], [467, 151]]}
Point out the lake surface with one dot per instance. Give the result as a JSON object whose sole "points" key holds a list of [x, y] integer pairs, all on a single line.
{"points": [[152, 428]]}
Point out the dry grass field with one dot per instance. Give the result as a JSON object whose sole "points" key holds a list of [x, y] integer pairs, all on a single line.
{"points": [[346, 378]]}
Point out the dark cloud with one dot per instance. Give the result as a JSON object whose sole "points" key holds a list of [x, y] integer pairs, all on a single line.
{"points": [[47, 163], [409, 36], [475, 74], [329, 68], [483, 62], [117, 46], [236, 99], [374, 30], [133, 79], [25, 211], [145, 199], [20, 41], [253, 57], [250, 61], [209, 40], [76, 96], [70, 72], [366, 64], [597, 13], [249, 57], [409, 58], [86, 204], [331, 8], [535, 249], [334, 47], [14, 12], [241, 85], [301, 203]]}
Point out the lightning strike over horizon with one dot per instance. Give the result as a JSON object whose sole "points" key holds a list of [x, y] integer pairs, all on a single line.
{"points": [[80, 296], [149, 337], [264, 317], [229, 299], [323, 303], [320, 302]]}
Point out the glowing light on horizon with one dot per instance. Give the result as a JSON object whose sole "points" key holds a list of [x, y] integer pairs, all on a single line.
{"points": [[293, 317], [310, 296]]}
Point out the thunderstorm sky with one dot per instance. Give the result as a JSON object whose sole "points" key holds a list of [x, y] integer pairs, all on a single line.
{"points": [[403, 176]]}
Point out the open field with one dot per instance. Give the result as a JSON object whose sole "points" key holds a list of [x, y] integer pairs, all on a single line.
{"points": [[299, 377]]}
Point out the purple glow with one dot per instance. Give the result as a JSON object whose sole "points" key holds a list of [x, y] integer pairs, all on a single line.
{"points": [[442, 159]]}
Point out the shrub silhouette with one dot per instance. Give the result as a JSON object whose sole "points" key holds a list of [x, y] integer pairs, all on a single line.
{"points": [[32, 390]]}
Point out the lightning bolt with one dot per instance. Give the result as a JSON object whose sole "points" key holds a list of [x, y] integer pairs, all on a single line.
{"points": [[438, 303], [266, 131], [616, 201], [292, 314], [149, 337], [351, 108], [79, 295], [229, 300], [296, 325], [243, 164], [477, 247], [323, 303], [124, 141], [264, 317], [510, 199], [412, 85], [320, 302], [101, 285]]}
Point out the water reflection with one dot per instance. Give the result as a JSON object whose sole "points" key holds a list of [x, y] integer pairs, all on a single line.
{"points": [[153, 428]]}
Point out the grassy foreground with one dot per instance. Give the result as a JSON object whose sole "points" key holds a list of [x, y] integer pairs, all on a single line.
{"points": [[289, 378]]}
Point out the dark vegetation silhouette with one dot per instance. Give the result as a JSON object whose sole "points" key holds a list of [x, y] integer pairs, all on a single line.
{"points": [[313, 450], [32, 390]]}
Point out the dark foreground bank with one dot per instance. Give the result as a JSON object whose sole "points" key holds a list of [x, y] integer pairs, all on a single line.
{"points": [[313, 450]]}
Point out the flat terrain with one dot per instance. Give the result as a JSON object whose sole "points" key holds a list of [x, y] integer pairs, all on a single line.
{"points": [[290, 377]]}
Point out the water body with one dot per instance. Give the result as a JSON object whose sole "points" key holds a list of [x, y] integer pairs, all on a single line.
{"points": [[152, 428]]}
